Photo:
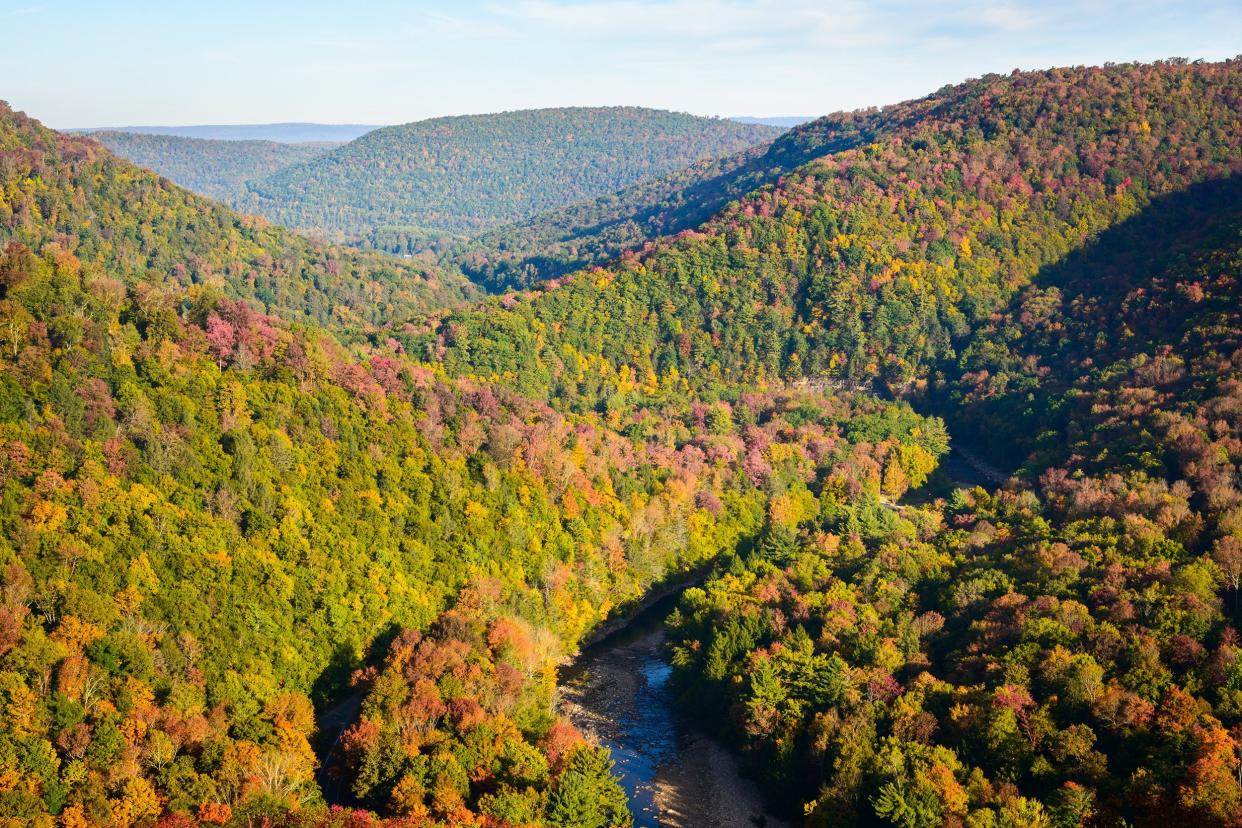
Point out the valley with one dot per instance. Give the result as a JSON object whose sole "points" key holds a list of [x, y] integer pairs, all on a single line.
{"points": [[881, 470]]}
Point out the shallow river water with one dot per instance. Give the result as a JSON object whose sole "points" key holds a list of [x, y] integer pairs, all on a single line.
{"points": [[619, 692]]}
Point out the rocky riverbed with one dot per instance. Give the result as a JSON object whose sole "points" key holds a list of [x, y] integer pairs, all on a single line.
{"points": [[619, 693]]}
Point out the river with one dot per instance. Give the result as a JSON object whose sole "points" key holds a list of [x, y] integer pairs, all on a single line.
{"points": [[619, 692]]}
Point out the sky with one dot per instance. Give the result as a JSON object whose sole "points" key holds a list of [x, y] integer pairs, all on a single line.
{"points": [[81, 63]]}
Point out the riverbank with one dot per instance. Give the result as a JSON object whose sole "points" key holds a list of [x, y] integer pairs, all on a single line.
{"points": [[705, 788], [664, 592]]}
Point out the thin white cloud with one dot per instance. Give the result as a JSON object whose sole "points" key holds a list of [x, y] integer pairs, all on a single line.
{"points": [[1008, 18], [703, 21], [809, 23], [445, 26]]}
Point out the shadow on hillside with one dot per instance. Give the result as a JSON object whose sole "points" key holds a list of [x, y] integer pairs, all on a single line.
{"points": [[1096, 283], [337, 705]]}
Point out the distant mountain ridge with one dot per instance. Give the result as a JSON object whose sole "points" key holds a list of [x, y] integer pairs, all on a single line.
{"points": [[215, 168], [464, 174], [593, 232], [282, 133]]}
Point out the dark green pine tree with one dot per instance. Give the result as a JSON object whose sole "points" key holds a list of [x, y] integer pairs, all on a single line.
{"points": [[779, 543], [587, 794]]}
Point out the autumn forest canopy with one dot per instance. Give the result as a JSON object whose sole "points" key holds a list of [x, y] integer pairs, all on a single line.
{"points": [[295, 531]]}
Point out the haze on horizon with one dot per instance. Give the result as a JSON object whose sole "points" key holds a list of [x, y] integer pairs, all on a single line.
{"points": [[79, 64]]}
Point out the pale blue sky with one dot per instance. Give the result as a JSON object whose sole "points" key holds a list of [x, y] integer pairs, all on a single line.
{"points": [[130, 62]]}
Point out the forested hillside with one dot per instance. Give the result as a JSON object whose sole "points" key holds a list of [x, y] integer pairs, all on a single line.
{"points": [[1113, 344], [594, 232], [464, 174], [214, 168], [874, 264], [137, 226], [1059, 654], [212, 519]]}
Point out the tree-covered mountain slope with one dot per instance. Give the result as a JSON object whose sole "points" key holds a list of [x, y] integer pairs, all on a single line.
{"points": [[211, 518], [135, 226], [876, 263], [593, 232], [1119, 342], [464, 174], [1064, 653], [218, 169]]}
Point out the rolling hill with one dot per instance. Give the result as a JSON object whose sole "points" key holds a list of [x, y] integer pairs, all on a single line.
{"points": [[461, 175], [133, 225]]}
